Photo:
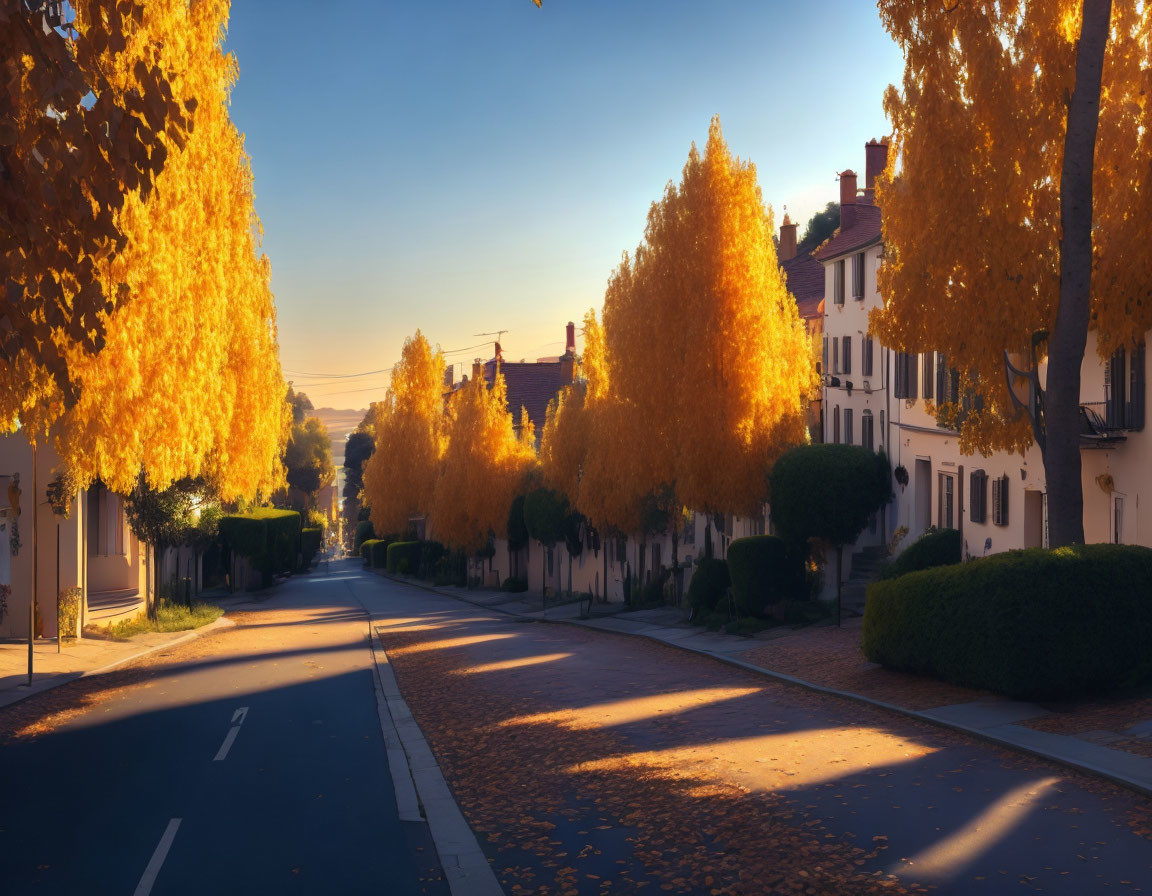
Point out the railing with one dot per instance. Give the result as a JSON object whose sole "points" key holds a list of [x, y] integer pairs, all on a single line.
{"points": [[1095, 427]]}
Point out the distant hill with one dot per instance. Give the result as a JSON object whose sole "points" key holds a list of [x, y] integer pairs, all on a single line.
{"points": [[339, 423]]}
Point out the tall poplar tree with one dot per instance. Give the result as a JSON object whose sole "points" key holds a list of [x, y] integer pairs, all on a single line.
{"points": [[190, 383], [484, 465], [708, 355], [400, 476], [1026, 157]]}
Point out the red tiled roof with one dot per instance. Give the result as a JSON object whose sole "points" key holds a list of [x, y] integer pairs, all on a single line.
{"points": [[864, 232], [530, 386], [805, 279]]}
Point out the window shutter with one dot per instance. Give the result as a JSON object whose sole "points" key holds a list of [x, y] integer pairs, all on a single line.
{"points": [[977, 510], [928, 370], [941, 378], [836, 424], [1000, 501], [900, 386], [867, 436], [848, 440], [866, 351], [838, 282], [835, 354], [1136, 389], [1114, 383], [912, 375], [824, 368], [847, 350]]}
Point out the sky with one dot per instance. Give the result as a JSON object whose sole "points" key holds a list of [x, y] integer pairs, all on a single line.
{"points": [[468, 166]]}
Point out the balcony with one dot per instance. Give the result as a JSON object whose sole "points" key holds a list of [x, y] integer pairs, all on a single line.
{"points": [[1096, 429]]}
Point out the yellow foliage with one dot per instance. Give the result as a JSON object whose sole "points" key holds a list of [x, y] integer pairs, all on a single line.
{"points": [[972, 219], [483, 466], [400, 476], [189, 383], [710, 365]]}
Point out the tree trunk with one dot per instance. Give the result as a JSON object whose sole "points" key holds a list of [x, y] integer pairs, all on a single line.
{"points": [[1061, 448]]}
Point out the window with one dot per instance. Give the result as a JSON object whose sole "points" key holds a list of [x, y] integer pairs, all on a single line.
{"points": [[905, 386], [1000, 501], [836, 424], [846, 352], [929, 373], [881, 429], [824, 368], [848, 426], [838, 282], [867, 434], [866, 356], [946, 506], [835, 354], [978, 497], [1124, 389], [947, 381], [857, 275], [621, 550]]}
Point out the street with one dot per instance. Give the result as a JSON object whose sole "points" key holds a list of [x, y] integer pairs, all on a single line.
{"points": [[252, 760]]}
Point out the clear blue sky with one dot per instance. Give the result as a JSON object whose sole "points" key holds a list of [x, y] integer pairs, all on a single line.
{"points": [[472, 165]]}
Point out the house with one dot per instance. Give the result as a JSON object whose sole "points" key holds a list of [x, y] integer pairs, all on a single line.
{"points": [[804, 276], [92, 548]]}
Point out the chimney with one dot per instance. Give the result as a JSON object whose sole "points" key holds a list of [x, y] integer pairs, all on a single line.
{"points": [[847, 199], [787, 239], [568, 359], [875, 161], [477, 369]]}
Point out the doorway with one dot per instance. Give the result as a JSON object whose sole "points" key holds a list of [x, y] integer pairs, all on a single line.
{"points": [[923, 496], [1034, 519]]}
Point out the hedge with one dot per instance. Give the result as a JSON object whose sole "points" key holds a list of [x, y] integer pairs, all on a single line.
{"points": [[404, 554], [378, 556], [709, 584], [364, 531], [310, 541], [764, 571], [936, 547], [1030, 624], [268, 537]]}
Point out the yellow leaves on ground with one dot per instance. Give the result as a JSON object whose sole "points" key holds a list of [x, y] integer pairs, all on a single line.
{"points": [[972, 221], [189, 383], [400, 476], [483, 467]]}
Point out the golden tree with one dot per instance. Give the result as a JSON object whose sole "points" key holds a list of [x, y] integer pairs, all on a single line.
{"points": [[400, 476], [708, 356], [483, 467], [190, 384], [66, 166], [1014, 120]]}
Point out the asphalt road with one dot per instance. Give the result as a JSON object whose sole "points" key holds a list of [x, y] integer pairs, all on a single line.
{"points": [[249, 761]]}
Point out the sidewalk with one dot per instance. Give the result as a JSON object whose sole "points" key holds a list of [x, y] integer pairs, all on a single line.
{"points": [[1110, 737], [84, 656]]}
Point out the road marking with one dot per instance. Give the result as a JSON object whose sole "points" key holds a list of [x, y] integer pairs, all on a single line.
{"points": [[241, 714], [158, 857]]}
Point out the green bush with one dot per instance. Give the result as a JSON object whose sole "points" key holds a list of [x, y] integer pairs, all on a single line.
{"points": [[515, 584], [310, 541], [366, 551], [1030, 624], [407, 552], [364, 531], [764, 571], [709, 584], [936, 547], [378, 555], [267, 537]]}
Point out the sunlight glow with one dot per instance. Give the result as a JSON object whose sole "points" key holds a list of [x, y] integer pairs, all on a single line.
{"points": [[621, 712], [513, 664], [951, 855], [449, 643], [776, 762]]}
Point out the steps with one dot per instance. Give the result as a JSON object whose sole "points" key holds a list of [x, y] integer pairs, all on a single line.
{"points": [[863, 570]]}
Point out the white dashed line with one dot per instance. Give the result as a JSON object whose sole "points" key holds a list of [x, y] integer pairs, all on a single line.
{"points": [[158, 857]]}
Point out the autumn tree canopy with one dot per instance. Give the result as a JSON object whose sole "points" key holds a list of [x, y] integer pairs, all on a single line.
{"points": [[981, 125], [67, 164], [484, 465], [190, 384], [400, 476], [308, 457], [707, 353]]}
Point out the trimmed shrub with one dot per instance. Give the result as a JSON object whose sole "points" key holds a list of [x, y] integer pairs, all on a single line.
{"points": [[709, 584], [764, 571], [378, 555], [1030, 624], [406, 552], [266, 536], [936, 547], [364, 531], [515, 584], [366, 551], [310, 541]]}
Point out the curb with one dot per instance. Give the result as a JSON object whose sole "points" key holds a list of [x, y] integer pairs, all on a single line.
{"points": [[1141, 787], [66, 677]]}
